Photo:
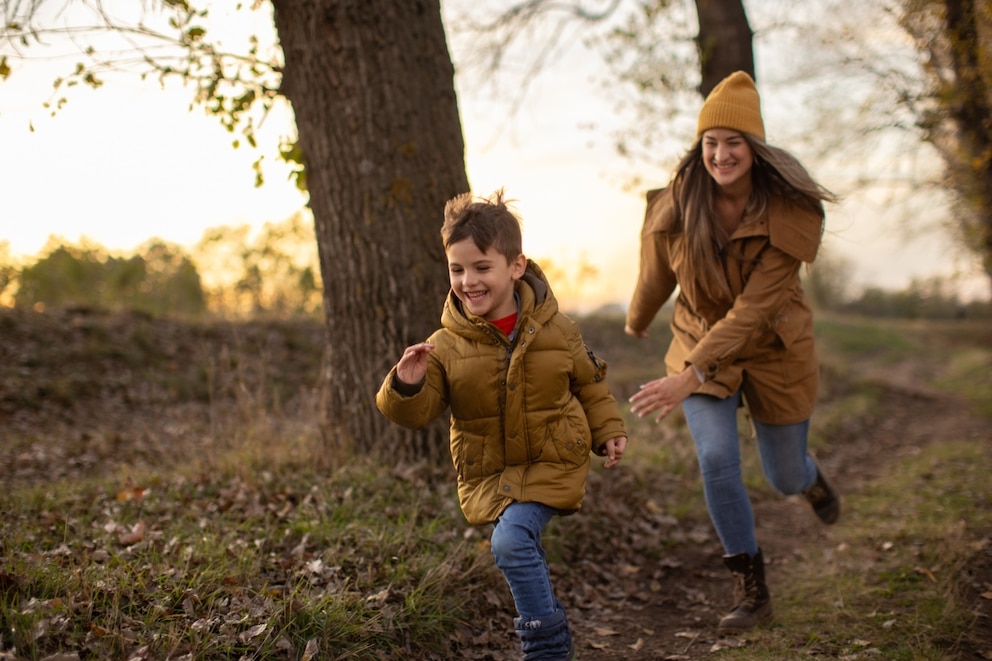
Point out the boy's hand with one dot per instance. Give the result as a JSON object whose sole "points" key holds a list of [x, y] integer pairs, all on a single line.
{"points": [[413, 364], [614, 451]]}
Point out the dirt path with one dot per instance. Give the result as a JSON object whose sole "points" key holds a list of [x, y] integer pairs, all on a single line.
{"points": [[668, 607]]}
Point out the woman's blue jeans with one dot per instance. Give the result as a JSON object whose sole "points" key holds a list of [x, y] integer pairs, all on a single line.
{"points": [[784, 459], [517, 549]]}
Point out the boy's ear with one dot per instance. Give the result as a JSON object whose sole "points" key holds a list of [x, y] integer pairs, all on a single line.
{"points": [[518, 266]]}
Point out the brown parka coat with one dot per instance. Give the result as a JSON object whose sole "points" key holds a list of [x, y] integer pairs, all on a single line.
{"points": [[525, 413], [760, 340]]}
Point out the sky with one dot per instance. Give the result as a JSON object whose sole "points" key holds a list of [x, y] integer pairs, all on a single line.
{"points": [[129, 161]]}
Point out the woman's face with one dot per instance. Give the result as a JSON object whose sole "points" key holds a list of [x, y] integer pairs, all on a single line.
{"points": [[727, 157]]}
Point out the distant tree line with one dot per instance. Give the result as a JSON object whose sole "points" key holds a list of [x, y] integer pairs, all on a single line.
{"points": [[228, 273], [232, 273], [936, 297]]}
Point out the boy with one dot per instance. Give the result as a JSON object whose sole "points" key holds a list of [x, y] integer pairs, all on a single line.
{"points": [[528, 403]]}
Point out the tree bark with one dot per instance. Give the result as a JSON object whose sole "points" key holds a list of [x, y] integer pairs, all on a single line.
{"points": [[724, 41], [970, 108], [372, 86]]}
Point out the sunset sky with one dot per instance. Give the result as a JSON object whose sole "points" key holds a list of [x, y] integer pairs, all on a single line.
{"points": [[128, 162]]}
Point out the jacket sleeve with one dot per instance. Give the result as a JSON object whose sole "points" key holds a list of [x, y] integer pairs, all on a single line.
{"points": [[413, 407], [591, 389], [769, 288], [655, 279]]}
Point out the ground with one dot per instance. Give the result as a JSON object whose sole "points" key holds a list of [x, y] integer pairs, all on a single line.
{"points": [[676, 619], [644, 582], [669, 607]]}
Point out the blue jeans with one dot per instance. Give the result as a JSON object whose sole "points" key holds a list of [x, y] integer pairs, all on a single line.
{"points": [[517, 549], [784, 459]]}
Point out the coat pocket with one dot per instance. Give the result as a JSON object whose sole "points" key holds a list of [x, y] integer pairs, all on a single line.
{"points": [[567, 440], [468, 453]]}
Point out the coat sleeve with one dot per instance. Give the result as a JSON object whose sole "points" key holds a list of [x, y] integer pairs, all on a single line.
{"points": [[655, 279], [589, 386], [411, 407], [769, 288]]}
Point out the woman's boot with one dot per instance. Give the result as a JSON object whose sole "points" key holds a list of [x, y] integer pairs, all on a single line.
{"points": [[753, 604], [545, 638], [824, 499]]}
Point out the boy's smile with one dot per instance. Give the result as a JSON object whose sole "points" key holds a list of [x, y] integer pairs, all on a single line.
{"points": [[483, 281]]}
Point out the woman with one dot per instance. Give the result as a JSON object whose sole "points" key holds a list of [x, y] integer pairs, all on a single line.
{"points": [[731, 232]]}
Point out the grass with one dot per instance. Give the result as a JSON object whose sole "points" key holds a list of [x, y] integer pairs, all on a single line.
{"points": [[258, 546], [891, 587], [256, 561]]}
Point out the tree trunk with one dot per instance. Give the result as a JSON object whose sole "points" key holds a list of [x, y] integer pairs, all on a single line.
{"points": [[372, 87], [724, 41], [970, 107]]}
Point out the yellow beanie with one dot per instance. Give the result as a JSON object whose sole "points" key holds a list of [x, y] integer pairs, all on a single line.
{"points": [[733, 104]]}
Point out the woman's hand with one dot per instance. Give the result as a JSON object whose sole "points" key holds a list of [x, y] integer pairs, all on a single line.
{"points": [[664, 394], [636, 333], [413, 364], [614, 451]]}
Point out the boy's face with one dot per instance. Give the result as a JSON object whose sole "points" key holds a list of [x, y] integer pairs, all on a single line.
{"points": [[483, 281]]}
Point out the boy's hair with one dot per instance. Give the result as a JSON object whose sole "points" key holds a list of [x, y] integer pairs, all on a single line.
{"points": [[489, 222]]}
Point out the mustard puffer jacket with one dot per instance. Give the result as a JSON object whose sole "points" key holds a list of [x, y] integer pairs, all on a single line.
{"points": [[525, 413], [759, 340]]}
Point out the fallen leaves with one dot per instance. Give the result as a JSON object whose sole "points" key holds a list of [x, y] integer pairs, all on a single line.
{"points": [[132, 536]]}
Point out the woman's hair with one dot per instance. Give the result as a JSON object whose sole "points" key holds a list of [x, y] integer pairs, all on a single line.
{"points": [[774, 173], [489, 222]]}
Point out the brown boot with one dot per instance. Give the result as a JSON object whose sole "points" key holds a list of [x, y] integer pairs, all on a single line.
{"points": [[753, 604], [824, 499]]}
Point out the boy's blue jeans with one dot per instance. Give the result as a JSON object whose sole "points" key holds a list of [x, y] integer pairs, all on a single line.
{"points": [[784, 459], [517, 549]]}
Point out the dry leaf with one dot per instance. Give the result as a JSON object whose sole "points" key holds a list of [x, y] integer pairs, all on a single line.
{"points": [[602, 631], [136, 534], [654, 507], [254, 632], [987, 595], [131, 491], [311, 651], [378, 598], [638, 645]]}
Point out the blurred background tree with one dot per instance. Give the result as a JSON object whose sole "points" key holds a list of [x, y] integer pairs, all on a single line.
{"points": [[275, 273], [892, 97], [158, 279]]}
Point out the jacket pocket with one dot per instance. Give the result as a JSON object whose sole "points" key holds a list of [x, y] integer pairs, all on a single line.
{"points": [[567, 440], [792, 323], [468, 452]]}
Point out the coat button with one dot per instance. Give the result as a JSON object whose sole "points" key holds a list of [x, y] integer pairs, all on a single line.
{"points": [[506, 487]]}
